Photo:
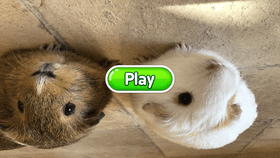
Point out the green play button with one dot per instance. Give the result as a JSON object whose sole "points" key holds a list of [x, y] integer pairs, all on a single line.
{"points": [[140, 79]]}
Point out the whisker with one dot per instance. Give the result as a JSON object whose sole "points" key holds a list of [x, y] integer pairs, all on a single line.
{"points": [[237, 62]]}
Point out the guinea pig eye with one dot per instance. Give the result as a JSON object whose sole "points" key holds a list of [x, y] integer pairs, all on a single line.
{"points": [[20, 106], [69, 109], [185, 98]]}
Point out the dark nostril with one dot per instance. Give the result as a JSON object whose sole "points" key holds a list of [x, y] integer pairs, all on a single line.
{"points": [[36, 73], [46, 73], [49, 74], [46, 69]]}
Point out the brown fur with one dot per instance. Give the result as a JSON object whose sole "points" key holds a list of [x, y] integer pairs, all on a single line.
{"points": [[233, 113], [42, 124]]}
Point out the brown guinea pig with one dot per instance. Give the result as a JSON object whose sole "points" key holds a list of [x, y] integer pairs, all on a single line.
{"points": [[50, 97]]}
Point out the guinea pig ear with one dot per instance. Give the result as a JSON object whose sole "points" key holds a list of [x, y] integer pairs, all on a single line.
{"points": [[233, 110], [155, 109], [107, 63], [233, 113]]}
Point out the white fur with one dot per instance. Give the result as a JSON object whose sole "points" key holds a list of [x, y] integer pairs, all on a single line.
{"points": [[194, 125], [40, 84]]}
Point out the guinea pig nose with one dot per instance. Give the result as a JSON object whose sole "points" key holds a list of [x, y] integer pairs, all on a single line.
{"points": [[44, 73], [213, 64], [46, 70], [47, 67]]}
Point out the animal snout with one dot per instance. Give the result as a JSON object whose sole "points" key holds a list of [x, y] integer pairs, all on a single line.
{"points": [[47, 67], [45, 70]]}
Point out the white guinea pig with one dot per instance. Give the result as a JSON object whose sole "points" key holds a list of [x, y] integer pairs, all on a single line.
{"points": [[208, 106]]}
